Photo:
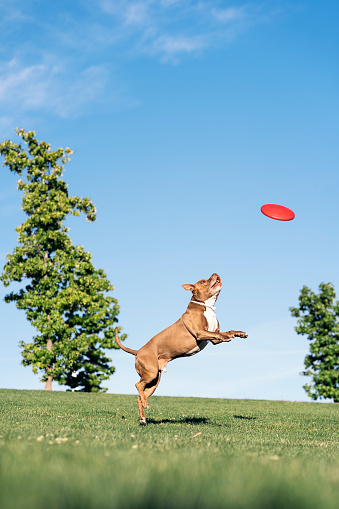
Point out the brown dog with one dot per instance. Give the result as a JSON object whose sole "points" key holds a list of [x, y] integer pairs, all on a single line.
{"points": [[188, 336]]}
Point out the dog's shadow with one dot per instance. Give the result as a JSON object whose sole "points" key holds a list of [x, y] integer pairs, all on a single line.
{"points": [[195, 420], [183, 420], [244, 417]]}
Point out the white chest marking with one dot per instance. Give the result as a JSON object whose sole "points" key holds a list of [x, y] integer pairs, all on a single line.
{"points": [[211, 317], [212, 322]]}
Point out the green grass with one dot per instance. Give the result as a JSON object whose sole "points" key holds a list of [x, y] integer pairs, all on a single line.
{"points": [[67, 450]]}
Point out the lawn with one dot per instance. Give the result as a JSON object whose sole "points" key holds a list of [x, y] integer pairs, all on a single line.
{"points": [[67, 450]]}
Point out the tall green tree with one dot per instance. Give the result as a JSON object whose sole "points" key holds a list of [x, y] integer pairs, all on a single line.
{"points": [[318, 319], [65, 298]]}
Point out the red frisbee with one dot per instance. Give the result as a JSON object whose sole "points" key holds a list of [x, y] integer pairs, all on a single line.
{"points": [[278, 212]]}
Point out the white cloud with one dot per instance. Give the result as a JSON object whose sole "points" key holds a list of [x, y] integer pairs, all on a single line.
{"points": [[136, 14], [170, 28], [110, 7], [169, 47], [175, 44], [129, 13], [50, 87], [229, 15], [54, 71], [12, 12]]}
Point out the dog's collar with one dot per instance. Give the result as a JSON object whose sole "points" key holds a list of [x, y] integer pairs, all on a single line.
{"points": [[203, 304]]}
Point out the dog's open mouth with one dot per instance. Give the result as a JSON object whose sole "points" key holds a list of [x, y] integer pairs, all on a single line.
{"points": [[217, 282]]}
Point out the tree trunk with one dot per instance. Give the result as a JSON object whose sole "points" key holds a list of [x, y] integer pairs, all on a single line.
{"points": [[48, 383]]}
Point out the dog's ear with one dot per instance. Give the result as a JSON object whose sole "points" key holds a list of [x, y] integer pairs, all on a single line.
{"points": [[188, 287]]}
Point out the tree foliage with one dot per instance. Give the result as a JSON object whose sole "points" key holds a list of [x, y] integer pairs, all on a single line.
{"points": [[318, 319], [65, 298]]}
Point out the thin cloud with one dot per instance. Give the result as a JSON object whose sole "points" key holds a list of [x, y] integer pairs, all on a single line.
{"points": [[67, 62], [169, 29], [127, 12], [170, 47], [136, 14], [229, 15], [50, 87], [179, 43], [12, 12]]}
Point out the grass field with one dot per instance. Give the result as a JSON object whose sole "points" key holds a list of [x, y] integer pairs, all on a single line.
{"points": [[68, 450]]}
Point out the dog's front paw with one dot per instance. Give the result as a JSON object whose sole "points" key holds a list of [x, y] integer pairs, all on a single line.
{"points": [[240, 334], [233, 334]]}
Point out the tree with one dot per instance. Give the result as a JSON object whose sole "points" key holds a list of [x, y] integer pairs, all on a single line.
{"points": [[65, 298], [319, 320]]}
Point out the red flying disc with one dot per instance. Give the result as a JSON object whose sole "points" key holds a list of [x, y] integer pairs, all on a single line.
{"points": [[278, 212]]}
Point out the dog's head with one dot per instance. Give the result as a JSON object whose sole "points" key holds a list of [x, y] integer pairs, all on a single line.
{"points": [[205, 288]]}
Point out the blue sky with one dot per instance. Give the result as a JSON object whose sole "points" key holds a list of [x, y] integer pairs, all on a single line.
{"points": [[184, 118]]}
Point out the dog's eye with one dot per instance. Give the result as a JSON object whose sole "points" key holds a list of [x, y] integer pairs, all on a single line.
{"points": [[204, 281]]}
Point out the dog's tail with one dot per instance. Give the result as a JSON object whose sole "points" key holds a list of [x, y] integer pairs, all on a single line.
{"points": [[128, 350]]}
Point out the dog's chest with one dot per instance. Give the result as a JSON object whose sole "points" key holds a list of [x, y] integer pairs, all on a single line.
{"points": [[212, 326], [211, 317]]}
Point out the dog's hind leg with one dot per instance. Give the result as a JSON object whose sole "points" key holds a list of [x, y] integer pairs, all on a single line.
{"points": [[146, 364], [142, 418], [144, 384], [148, 391], [142, 399], [150, 388], [148, 369]]}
